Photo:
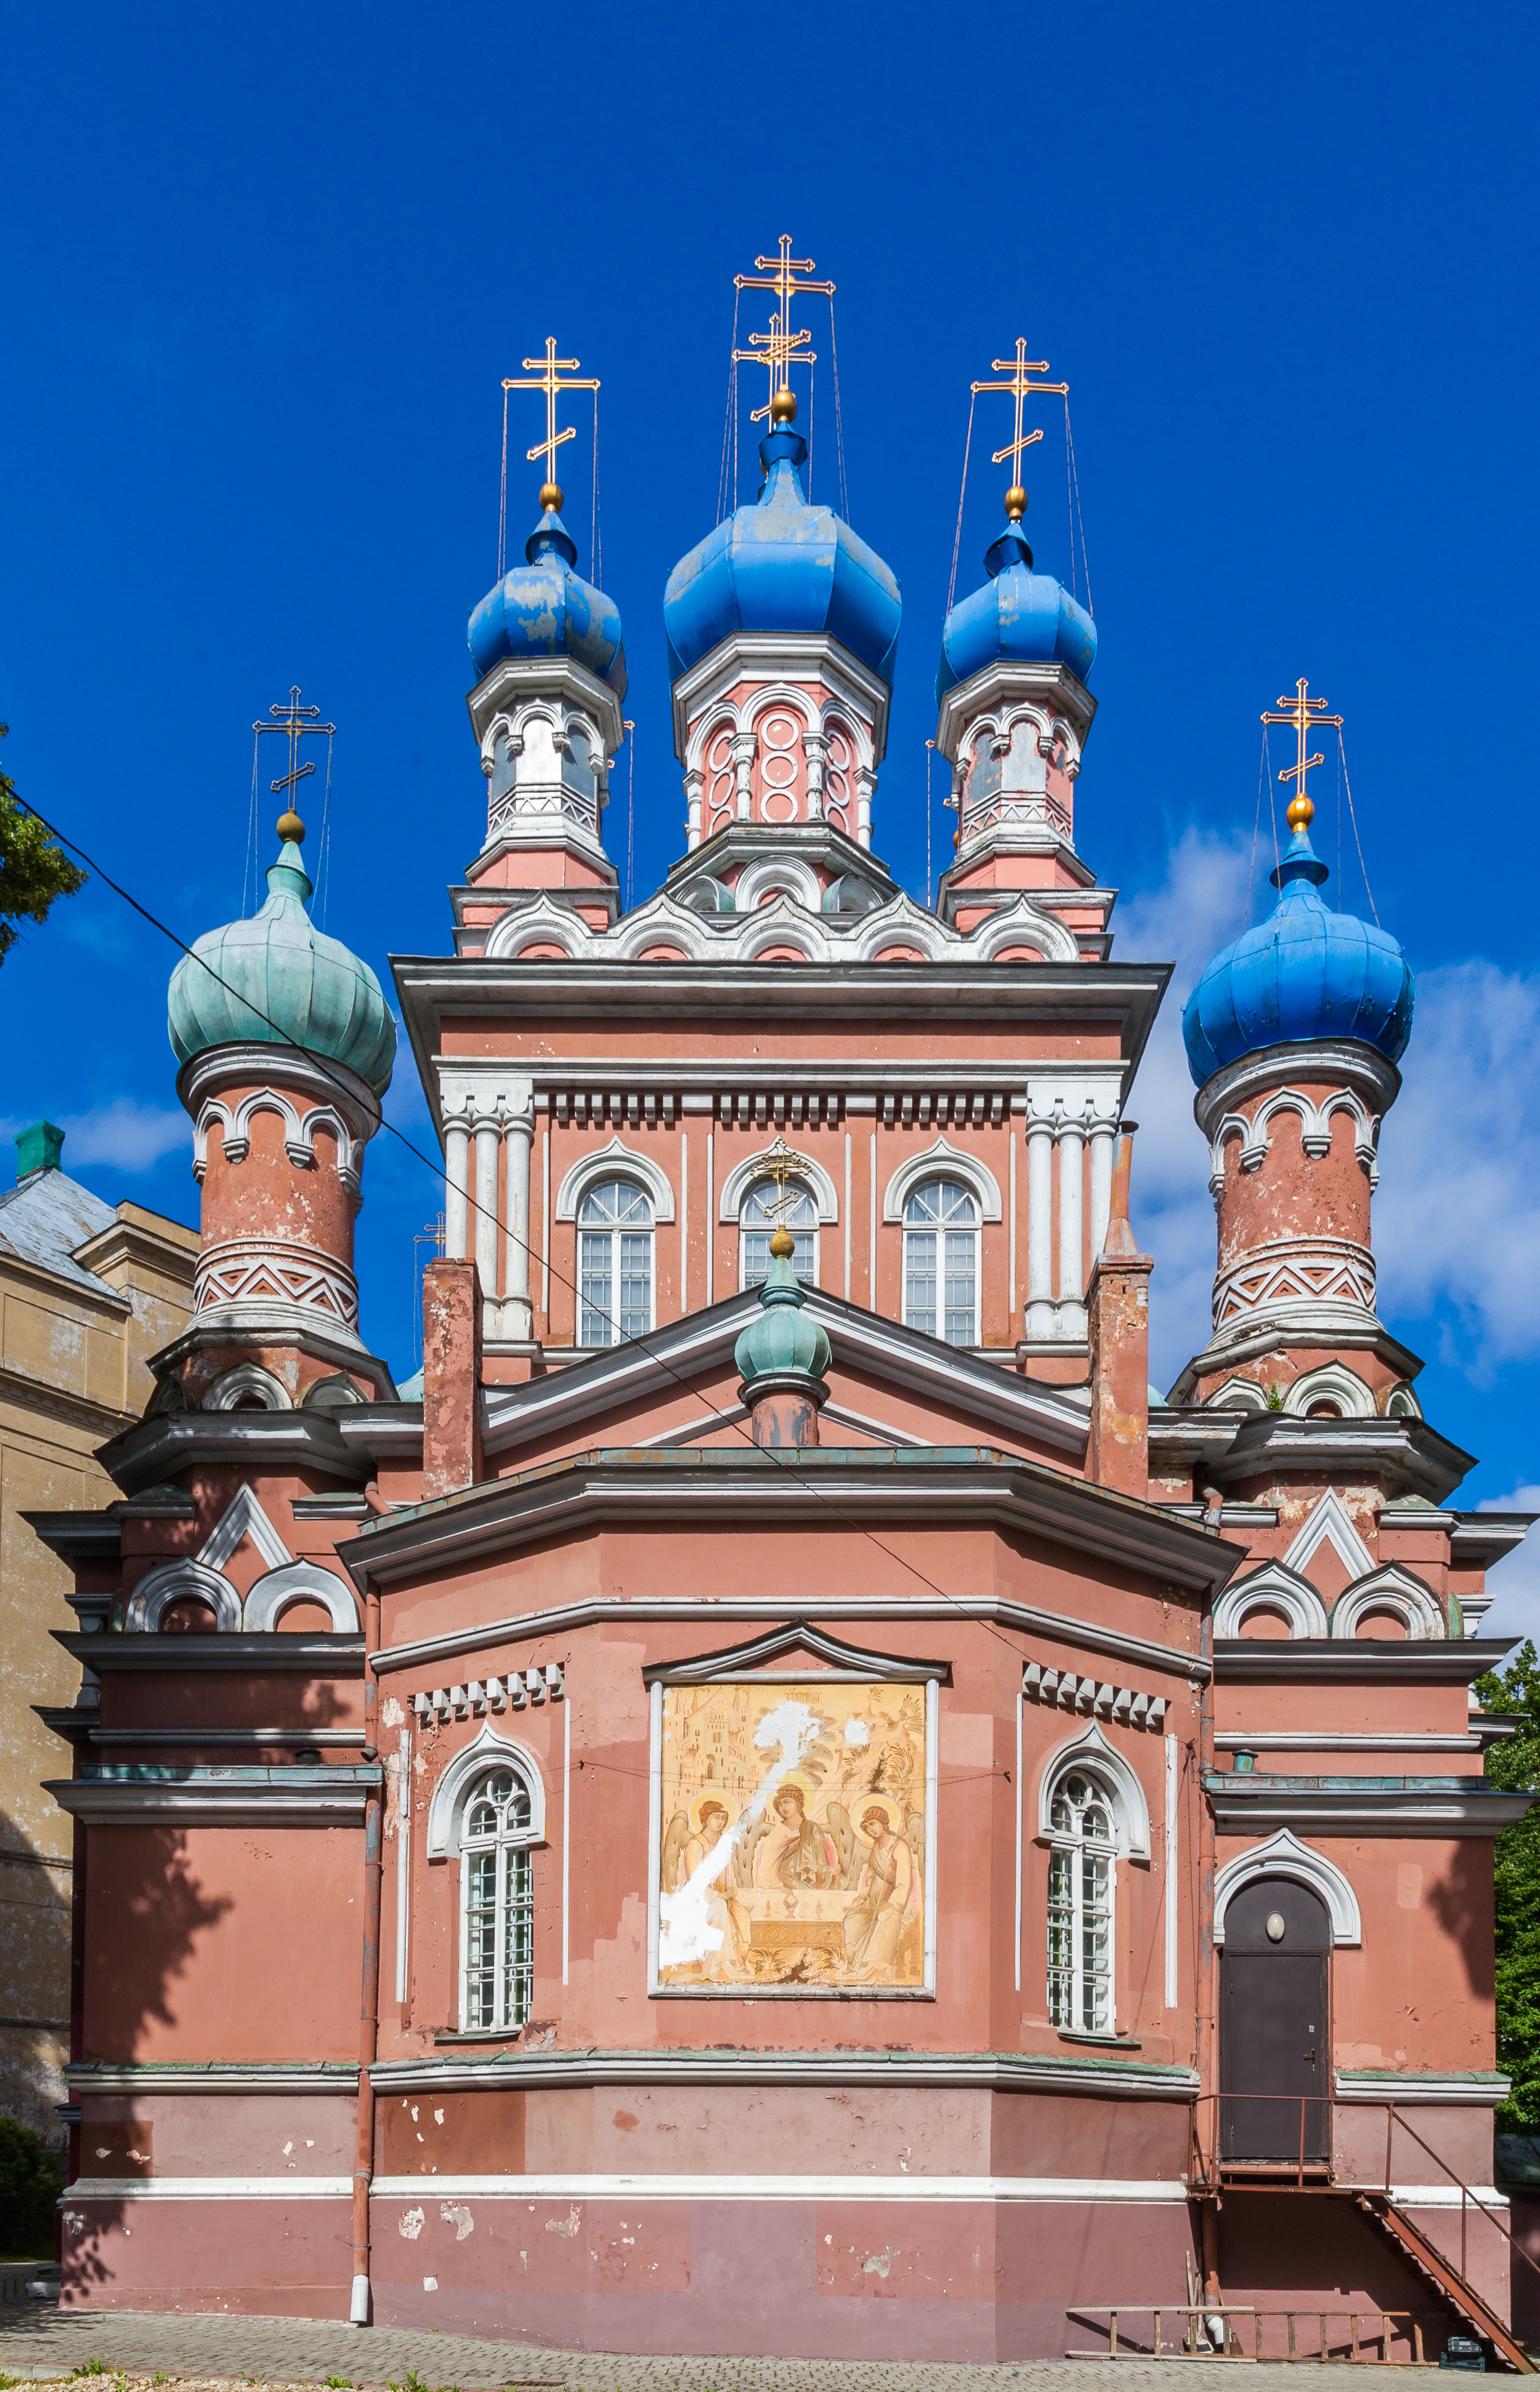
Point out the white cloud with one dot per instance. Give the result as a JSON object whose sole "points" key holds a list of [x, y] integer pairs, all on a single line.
{"points": [[124, 1134], [1456, 1217], [1515, 1583]]}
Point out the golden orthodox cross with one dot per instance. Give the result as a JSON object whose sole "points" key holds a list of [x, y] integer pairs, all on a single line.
{"points": [[781, 1164], [1020, 368], [554, 375], [1306, 714], [779, 351], [785, 276], [296, 722]]}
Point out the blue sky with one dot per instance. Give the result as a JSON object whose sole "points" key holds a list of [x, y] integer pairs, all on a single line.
{"points": [[265, 270]]}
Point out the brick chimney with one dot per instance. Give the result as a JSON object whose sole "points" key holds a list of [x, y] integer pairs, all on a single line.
{"points": [[1117, 1306]]}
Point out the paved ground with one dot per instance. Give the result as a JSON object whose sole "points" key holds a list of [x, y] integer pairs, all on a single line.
{"points": [[44, 2345]]}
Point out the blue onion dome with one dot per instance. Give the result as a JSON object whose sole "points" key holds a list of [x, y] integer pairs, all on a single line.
{"points": [[782, 565], [782, 1340], [1306, 973], [543, 608], [283, 983], [1025, 615]]}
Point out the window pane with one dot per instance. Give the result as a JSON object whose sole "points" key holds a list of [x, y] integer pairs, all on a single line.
{"points": [[636, 1282], [960, 1288], [615, 1201], [499, 1912], [595, 1272], [920, 1279], [940, 1201]]}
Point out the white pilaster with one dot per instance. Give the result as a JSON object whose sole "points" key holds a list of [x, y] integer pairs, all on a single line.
{"points": [[1104, 1150], [1071, 1144], [457, 1156], [1041, 1320], [488, 1134], [517, 1319]]}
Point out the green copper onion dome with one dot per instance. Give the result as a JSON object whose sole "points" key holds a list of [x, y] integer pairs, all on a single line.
{"points": [[274, 980], [782, 1343]]}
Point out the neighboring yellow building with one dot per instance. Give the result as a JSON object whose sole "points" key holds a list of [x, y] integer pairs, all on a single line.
{"points": [[88, 1295]]}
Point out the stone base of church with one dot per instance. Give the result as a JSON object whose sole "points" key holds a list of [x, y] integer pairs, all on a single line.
{"points": [[977, 2275]]}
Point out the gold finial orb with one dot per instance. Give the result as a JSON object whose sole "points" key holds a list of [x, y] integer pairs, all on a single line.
{"points": [[783, 1245], [1302, 812], [1015, 502], [783, 407], [291, 827], [550, 498]]}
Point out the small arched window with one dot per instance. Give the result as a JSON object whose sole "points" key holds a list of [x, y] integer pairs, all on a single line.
{"points": [[497, 1903], [941, 1262], [1081, 1893], [764, 1211], [614, 1263]]}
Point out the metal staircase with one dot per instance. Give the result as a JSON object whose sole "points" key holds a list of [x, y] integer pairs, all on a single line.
{"points": [[1412, 2246]]}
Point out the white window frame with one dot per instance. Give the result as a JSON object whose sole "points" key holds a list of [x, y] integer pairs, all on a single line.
{"points": [[1069, 1848], [941, 1232], [806, 1228], [512, 1854], [615, 1233]]}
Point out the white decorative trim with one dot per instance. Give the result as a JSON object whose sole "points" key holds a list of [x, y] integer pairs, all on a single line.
{"points": [[789, 873], [209, 2188], [942, 1159], [244, 1517], [1392, 1589], [784, 923], [747, 1174], [299, 1132], [1314, 1131], [1274, 1587], [541, 924], [161, 1588], [246, 1379], [300, 1582], [448, 1804], [1296, 1274], [899, 922], [1333, 1383], [1418, 2088], [1070, 1692], [614, 1160], [1023, 924], [921, 2190], [241, 1273], [1284, 1855], [1237, 1395], [1329, 1522], [664, 921], [1091, 1751]]}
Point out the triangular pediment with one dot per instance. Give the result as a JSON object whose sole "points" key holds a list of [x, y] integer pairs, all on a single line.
{"points": [[799, 1650], [889, 1386]]}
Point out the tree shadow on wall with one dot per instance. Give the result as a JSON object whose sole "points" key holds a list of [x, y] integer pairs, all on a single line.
{"points": [[1461, 1902]]}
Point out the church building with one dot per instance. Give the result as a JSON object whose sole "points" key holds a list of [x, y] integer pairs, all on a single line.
{"points": [[855, 1826]]}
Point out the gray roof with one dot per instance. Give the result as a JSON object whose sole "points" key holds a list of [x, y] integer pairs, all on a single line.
{"points": [[45, 1217]]}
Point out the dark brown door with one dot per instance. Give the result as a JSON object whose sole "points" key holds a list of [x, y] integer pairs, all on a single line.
{"points": [[1274, 2033]]}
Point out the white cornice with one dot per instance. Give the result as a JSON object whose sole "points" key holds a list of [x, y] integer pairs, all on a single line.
{"points": [[285, 1067], [514, 680], [707, 1617], [1004, 679], [333, 1795], [796, 656], [1335, 1062], [988, 2071]]}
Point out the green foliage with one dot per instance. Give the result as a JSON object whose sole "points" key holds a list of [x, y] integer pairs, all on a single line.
{"points": [[30, 2184], [90, 2367], [1515, 1763], [33, 868]]}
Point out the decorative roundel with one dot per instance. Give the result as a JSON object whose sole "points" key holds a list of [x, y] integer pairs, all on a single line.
{"points": [[1275, 1927], [837, 777], [780, 735], [720, 783]]}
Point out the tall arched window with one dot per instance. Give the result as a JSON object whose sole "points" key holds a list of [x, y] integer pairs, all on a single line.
{"points": [[1082, 1891], [614, 1263], [497, 1898], [941, 1262], [761, 1216]]}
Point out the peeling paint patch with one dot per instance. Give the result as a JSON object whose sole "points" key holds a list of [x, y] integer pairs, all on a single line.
{"points": [[430, 2283], [412, 2222], [455, 2213], [567, 2225], [877, 2263]]}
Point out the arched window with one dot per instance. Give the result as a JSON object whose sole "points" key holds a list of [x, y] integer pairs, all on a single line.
{"points": [[614, 1263], [762, 1215], [1081, 1889], [497, 1898], [941, 1262]]}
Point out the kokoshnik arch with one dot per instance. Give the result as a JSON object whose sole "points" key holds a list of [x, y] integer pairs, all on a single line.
{"points": [[811, 1757]]}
